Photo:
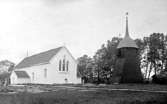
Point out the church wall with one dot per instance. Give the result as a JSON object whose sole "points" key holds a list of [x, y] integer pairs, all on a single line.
{"points": [[69, 76], [38, 74], [13, 78]]}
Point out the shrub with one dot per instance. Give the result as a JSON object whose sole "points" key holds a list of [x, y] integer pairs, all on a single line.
{"points": [[160, 79]]}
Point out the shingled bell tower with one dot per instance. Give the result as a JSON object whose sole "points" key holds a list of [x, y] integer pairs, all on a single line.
{"points": [[127, 68]]}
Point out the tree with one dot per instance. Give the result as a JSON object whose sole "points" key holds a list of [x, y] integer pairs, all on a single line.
{"points": [[4, 77], [154, 54], [6, 68], [157, 51], [105, 58], [99, 62], [85, 67]]}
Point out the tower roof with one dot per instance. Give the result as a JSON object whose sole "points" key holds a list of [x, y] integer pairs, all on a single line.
{"points": [[127, 41]]}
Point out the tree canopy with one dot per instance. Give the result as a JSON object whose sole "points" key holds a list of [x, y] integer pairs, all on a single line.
{"points": [[152, 53]]}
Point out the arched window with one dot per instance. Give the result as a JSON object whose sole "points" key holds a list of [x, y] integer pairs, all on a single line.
{"points": [[45, 73], [59, 65], [67, 65], [63, 64]]}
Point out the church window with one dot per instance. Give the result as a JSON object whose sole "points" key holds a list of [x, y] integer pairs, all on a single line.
{"points": [[67, 65], [45, 73], [63, 64], [59, 65]]}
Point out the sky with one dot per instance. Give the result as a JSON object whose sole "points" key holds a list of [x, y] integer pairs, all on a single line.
{"points": [[82, 26]]}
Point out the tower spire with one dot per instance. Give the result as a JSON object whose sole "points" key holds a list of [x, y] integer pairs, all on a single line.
{"points": [[127, 29], [127, 40]]}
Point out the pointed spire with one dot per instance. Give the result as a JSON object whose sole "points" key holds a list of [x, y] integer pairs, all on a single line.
{"points": [[127, 41], [127, 30]]}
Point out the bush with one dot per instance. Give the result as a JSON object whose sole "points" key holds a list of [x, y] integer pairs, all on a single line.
{"points": [[159, 79]]}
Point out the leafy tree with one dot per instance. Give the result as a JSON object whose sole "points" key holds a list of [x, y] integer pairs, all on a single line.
{"points": [[105, 58], [6, 68], [4, 76], [156, 51], [154, 54], [85, 65], [99, 63], [144, 60]]}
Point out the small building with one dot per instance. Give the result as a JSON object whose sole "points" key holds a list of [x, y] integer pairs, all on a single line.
{"points": [[127, 68], [20, 77], [55, 66]]}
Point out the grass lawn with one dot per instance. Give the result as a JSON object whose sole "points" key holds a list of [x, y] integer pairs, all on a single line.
{"points": [[76, 96], [150, 87]]}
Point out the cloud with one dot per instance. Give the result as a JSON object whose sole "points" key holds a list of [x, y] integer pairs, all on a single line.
{"points": [[58, 2], [39, 25]]}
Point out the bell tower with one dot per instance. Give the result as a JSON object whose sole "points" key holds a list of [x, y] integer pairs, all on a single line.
{"points": [[127, 68]]}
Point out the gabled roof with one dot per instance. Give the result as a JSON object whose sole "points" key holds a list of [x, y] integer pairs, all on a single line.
{"points": [[41, 58], [127, 41], [21, 74]]}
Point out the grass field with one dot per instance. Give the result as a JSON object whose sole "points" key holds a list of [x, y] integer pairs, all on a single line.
{"points": [[87, 95], [150, 87]]}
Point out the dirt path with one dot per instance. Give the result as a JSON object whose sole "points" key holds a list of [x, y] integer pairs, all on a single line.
{"points": [[109, 89]]}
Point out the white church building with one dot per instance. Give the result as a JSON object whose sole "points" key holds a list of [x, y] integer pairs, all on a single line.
{"points": [[55, 66]]}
